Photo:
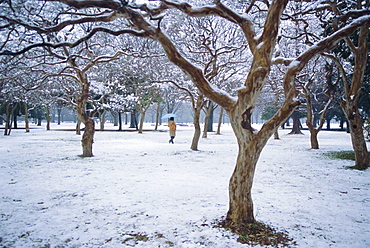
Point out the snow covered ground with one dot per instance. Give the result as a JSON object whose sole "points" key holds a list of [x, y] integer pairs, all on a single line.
{"points": [[140, 191]]}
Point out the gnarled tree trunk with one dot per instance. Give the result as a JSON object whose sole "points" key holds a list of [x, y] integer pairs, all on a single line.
{"points": [[88, 138], [357, 136], [240, 185], [89, 131], [351, 108], [352, 94]]}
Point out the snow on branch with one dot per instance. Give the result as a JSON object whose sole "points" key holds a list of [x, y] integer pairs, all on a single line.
{"points": [[179, 87], [76, 43], [282, 60], [330, 42], [60, 26], [219, 10]]}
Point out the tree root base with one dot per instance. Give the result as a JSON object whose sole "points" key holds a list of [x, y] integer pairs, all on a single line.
{"points": [[357, 168], [85, 156], [258, 233]]}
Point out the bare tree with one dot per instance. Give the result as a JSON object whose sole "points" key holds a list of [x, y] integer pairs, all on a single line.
{"points": [[319, 95], [347, 12]]}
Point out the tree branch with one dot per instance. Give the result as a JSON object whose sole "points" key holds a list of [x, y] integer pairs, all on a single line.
{"points": [[76, 43], [181, 88], [218, 10], [62, 25]]}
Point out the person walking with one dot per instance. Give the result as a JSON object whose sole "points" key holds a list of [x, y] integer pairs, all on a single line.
{"points": [[172, 127]]}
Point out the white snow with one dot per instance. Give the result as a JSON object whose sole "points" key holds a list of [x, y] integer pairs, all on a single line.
{"points": [[140, 184], [294, 63], [259, 46]]}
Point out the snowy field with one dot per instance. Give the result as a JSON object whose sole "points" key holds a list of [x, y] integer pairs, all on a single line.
{"points": [[140, 191]]}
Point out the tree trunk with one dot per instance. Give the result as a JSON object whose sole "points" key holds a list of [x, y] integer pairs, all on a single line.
{"points": [[313, 139], [205, 133], [119, 121], [9, 111], [26, 120], [358, 139], [143, 110], [311, 117], [59, 111], [296, 123], [341, 124], [102, 119], [250, 146], [328, 124], [133, 121], [88, 138], [157, 115], [78, 127], [313, 132], [47, 117], [197, 132], [7, 120], [15, 121], [89, 131], [220, 121], [206, 118], [115, 118], [39, 121], [240, 185], [141, 123], [352, 94], [197, 108], [210, 118], [276, 106]]}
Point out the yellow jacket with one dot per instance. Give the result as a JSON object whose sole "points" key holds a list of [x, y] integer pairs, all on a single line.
{"points": [[172, 132]]}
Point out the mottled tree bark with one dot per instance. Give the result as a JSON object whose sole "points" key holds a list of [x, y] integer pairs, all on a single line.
{"points": [[357, 136], [352, 94], [89, 131]]}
